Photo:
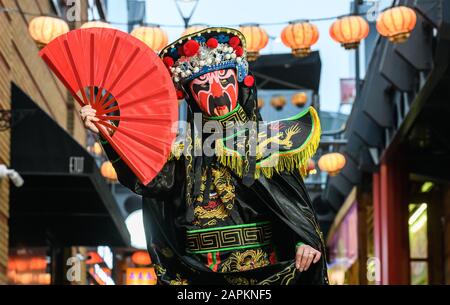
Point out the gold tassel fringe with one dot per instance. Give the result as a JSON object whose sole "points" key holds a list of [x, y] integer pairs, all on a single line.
{"points": [[297, 160]]}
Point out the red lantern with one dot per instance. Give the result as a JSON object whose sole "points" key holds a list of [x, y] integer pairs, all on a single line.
{"points": [[278, 102], [332, 163], [141, 258], [349, 31], [397, 23], [299, 99], [300, 36], [256, 39], [108, 171]]}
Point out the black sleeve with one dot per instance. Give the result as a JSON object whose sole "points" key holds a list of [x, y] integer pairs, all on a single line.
{"points": [[163, 182]]}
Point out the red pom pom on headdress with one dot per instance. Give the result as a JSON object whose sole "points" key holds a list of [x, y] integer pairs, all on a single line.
{"points": [[180, 94], [191, 48], [249, 81], [234, 42], [212, 43], [168, 61], [180, 51], [239, 51]]}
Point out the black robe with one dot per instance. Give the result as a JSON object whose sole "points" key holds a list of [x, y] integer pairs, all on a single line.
{"points": [[283, 199]]}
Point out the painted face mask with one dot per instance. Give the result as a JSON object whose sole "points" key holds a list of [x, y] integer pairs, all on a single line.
{"points": [[215, 92]]}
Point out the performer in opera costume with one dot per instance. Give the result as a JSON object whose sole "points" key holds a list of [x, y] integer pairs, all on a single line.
{"points": [[235, 217]]}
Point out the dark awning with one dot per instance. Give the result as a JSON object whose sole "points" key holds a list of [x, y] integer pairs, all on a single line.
{"points": [[64, 199], [285, 71]]}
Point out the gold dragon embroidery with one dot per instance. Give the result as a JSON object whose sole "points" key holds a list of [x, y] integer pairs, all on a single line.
{"points": [[244, 261], [278, 139]]}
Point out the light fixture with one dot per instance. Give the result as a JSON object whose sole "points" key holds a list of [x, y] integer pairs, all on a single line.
{"points": [[135, 226], [141, 258], [332, 163], [256, 39], [419, 223], [349, 31], [417, 213], [300, 36], [299, 99], [426, 187], [44, 29], [5, 119], [108, 171], [12, 175], [278, 102], [397, 23]]}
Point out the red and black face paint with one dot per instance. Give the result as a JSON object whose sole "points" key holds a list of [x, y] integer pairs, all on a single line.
{"points": [[216, 92]]}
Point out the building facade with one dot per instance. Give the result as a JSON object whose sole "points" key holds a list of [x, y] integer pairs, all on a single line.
{"points": [[394, 188], [21, 65]]}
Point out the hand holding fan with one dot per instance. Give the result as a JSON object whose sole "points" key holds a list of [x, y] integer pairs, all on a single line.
{"points": [[129, 87]]}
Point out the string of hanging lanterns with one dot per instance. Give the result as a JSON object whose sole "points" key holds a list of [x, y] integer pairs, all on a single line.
{"points": [[395, 23], [153, 36]]}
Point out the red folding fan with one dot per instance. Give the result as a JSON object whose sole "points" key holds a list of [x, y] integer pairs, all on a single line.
{"points": [[128, 85]]}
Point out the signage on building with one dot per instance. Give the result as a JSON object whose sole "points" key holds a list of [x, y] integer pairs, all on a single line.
{"points": [[141, 276], [348, 90]]}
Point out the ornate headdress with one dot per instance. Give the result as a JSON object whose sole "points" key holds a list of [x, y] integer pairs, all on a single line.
{"points": [[296, 138], [205, 51]]}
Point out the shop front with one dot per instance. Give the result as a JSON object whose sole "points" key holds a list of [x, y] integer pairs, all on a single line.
{"points": [[397, 151], [63, 208]]}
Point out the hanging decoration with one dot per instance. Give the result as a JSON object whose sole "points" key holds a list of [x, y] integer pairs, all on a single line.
{"points": [[332, 163], [108, 171], [349, 31], [153, 36], [300, 36], [141, 258], [256, 39], [278, 102], [299, 99], [397, 23], [44, 29]]}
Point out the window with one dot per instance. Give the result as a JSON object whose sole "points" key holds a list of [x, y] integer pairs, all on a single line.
{"points": [[418, 243]]}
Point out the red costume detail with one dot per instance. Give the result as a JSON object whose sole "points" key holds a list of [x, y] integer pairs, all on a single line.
{"points": [[239, 51], [234, 42], [191, 48], [180, 94], [168, 61], [212, 43], [249, 81]]}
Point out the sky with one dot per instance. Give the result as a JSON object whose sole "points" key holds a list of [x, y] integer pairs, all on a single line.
{"points": [[336, 61]]}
